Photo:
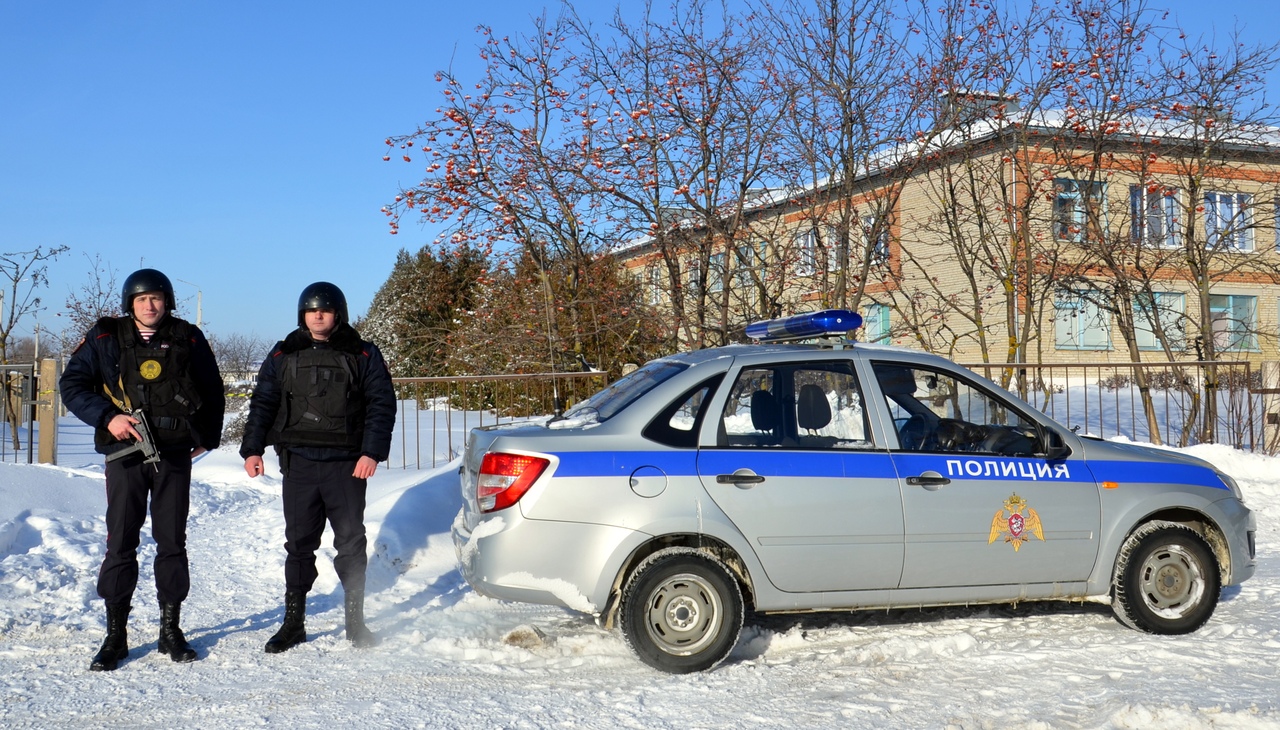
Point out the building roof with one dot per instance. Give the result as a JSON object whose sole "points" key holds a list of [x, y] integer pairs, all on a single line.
{"points": [[1188, 126]]}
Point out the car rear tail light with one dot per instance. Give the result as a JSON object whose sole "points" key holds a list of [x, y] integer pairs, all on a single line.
{"points": [[504, 478]]}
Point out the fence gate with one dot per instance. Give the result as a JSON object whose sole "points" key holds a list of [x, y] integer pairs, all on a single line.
{"points": [[18, 390]]}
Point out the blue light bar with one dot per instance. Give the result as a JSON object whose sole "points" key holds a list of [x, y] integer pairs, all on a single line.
{"points": [[802, 326]]}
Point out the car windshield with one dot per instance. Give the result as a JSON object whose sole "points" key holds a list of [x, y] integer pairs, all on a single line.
{"points": [[621, 393]]}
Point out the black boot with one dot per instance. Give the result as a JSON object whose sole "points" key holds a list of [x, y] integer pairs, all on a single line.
{"points": [[172, 642], [357, 633], [293, 631], [116, 646]]}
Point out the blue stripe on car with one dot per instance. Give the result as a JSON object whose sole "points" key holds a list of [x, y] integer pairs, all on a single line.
{"points": [[871, 465]]}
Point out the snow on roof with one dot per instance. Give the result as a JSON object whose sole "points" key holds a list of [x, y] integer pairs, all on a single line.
{"points": [[1187, 126]]}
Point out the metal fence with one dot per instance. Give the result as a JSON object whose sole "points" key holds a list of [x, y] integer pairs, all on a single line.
{"points": [[435, 414], [1177, 404]]}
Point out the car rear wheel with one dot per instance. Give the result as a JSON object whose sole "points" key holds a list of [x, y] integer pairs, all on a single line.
{"points": [[681, 611], [1167, 580]]}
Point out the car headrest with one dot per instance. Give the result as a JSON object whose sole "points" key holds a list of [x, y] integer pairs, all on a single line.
{"points": [[813, 410], [764, 411]]}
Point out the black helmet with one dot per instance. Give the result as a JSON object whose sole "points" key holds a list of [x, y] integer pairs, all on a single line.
{"points": [[322, 295], [143, 281]]}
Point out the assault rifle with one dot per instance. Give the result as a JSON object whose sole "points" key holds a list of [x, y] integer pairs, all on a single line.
{"points": [[145, 445]]}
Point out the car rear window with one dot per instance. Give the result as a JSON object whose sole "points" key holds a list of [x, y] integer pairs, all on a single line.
{"points": [[625, 391]]}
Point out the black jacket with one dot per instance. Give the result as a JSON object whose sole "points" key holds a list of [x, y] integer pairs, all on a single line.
{"points": [[96, 363], [372, 382]]}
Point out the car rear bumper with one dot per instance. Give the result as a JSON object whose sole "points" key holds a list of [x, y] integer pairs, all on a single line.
{"points": [[569, 564]]}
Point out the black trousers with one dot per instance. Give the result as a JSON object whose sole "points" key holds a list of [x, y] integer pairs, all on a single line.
{"points": [[313, 492], [129, 484]]}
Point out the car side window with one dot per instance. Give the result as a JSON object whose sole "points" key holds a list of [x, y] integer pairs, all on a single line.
{"points": [[934, 411], [752, 416], [829, 411], [815, 406], [678, 424]]}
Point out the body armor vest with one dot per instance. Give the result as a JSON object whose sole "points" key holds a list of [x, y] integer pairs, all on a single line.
{"points": [[156, 378], [320, 404]]}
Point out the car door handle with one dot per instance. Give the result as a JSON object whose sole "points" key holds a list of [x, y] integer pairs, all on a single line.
{"points": [[740, 478], [930, 480]]}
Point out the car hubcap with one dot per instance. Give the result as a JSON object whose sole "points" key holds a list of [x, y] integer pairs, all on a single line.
{"points": [[683, 615], [1172, 581]]}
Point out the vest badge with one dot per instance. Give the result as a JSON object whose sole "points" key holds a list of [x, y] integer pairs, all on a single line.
{"points": [[1017, 528], [149, 369]]}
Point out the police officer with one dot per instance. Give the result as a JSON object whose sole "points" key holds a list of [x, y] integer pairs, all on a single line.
{"points": [[324, 400], [146, 365]]}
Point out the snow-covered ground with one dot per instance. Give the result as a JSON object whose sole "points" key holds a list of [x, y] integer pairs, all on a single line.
{"points": [[451, 659]]}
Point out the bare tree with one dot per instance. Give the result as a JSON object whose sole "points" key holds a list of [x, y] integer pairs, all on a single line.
{"points": [[97, 297], [238, 355], [1216, 94], [917, 155], [843, 124], [687, 117], [967, 251], [505, 155], [22, 274], [238, 359], [26, 349], [570, 142], [1168, 133]]}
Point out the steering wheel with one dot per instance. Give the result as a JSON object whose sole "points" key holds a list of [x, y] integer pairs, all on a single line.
{"points": [[914, 434]]}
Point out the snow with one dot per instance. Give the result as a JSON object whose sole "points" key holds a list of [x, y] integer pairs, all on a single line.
{"points": [[452, 659]]}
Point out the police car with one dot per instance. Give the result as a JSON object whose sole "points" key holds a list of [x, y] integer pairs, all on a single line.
{"points": [[780, 477]]}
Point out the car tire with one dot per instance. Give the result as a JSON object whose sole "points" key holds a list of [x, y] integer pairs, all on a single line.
{"points": [[1167, 580], [681, 611]]}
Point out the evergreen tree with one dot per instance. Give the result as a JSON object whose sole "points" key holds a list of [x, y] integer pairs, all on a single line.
{"points": [[421, 303]]}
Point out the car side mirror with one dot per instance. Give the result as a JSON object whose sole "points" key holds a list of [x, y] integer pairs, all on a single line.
{"points": [[1055, 449]]}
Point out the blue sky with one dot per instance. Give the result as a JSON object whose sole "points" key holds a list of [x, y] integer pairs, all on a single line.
{"points": [[233, 145], [237, 146]]}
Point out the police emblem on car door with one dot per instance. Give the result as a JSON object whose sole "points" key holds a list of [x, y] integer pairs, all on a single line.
{"points": [[962, 452]]}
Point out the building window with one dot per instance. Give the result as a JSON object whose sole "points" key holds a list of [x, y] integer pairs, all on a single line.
{"points": [[655, 284], [1275, 221], [694, 269], [715, 272], [1228, 221], [1073, 202], [880, 247], [1079, 323], [1160, 313], [818, 248], [747, 260], [742, 266], [1155, 215], [1234, 319], [806, 252], [875, 323], [830, 245]]}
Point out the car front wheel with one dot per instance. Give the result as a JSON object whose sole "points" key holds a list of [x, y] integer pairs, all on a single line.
{"points": [[681, 611], [1167, 580]]}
